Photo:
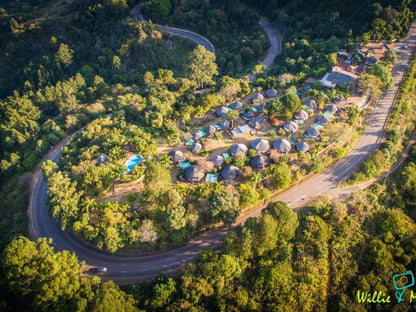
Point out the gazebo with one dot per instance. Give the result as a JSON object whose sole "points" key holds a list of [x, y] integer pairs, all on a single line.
{"points": [[237, 105], [258, 97], [260, 145], [102, 159], [271, 93], [313, 132], [225, 124], [239, 150], [311, 104], [290, 126], [210, 129], [218, 160], [221, 111], [302, 147], [248, 115], [332, 108], [196, 147], [340, 99], [302, 115], [323, 120], [282, 145], [257, 122], [197, 135], [230, 172], [176, 156], [259, 162], [194, 174]]}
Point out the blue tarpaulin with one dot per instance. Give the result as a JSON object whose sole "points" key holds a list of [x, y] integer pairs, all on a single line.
{"points": [[318, 126], [327, 114], [211, 177], [184, 164]]}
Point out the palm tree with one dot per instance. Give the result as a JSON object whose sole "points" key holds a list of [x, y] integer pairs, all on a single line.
{"points": [[165, 160], [232, 115], [256, 178]]}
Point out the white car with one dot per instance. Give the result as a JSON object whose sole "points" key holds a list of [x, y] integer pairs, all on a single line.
{"points": [[98, 270]]}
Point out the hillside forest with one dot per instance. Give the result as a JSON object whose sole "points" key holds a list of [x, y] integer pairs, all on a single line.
{"points": [[69, 64]]}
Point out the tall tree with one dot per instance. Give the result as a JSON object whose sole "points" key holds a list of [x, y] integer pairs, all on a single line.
{"points": [[64, 55], [224, 206], [201, 66], [384, 74], [157, 179], [63, 198]]}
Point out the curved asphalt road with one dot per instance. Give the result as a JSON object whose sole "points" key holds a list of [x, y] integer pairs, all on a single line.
{"points": [[198, 39], [272, 33], [134, 268]]}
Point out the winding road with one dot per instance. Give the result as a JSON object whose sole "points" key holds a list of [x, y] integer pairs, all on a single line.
{"points": [[187, 34], [124, 269]]}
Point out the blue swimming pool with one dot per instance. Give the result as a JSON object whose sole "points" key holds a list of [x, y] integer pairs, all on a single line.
{"points": [[132, 162]]}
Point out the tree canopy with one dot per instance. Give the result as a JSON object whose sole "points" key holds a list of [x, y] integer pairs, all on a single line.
{"points": [[201, 66]]}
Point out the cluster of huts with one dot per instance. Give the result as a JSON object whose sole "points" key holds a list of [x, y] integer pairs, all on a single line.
{"points": [[195, 173]]}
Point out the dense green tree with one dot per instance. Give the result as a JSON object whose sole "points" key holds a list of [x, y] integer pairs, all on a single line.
{"points": [[176, 217], [160, 8], [389, 57], [248, 195], [64, 55], [224, 206], [34, 269], [384, 74], [19, 123], [163, 291], [201, 66], [371, 85], [232, 116], [97, 179], [280, 175], [109, 298], [157, 179], [291, 104], [63, 198], [286, 218]]}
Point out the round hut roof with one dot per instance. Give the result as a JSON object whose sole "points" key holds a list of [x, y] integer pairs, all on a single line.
{"points": [[221, 111], [322, 120], [176, 156], [302, 115], [102, 159], [259, 162], [310, 103], [237, 105], [271, 92], [261, 107], [210, 129], [340, 98], [260, 145], [332, 108], [218, 160], [290, 126], [194, 174], [225, 124], [196, 136], [302, 147], [239, 150], [248, 115], [257, 97], [230, 172], [313, 132], [282, 145], [196, 147]]}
